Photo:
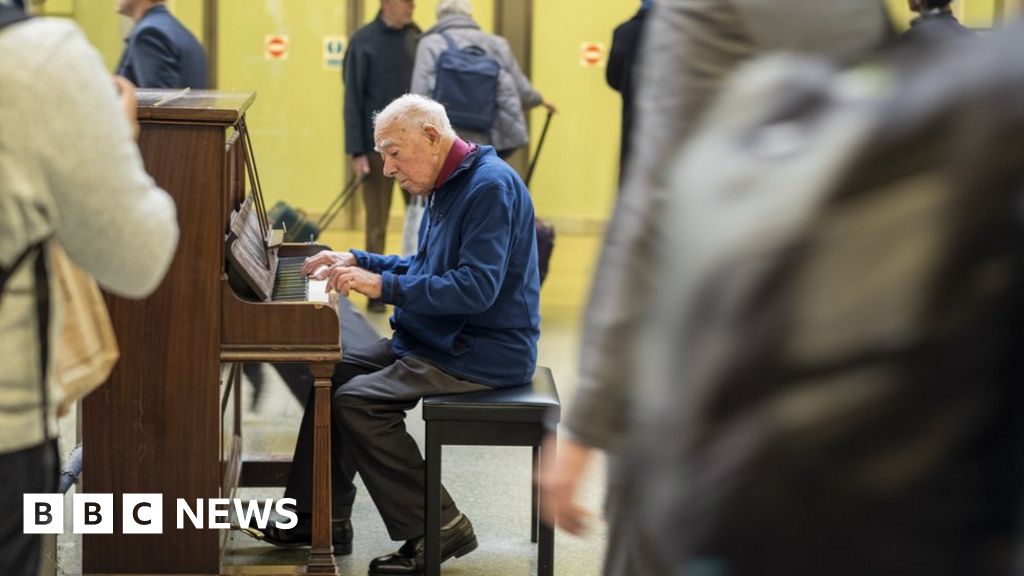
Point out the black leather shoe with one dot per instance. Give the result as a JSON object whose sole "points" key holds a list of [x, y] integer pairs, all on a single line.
{"points": [[456, 541], [302, 533]]}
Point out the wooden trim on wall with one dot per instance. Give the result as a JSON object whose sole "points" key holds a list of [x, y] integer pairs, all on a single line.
{"points": [[354, 17], [211, 8], [352, 214], [513, 20]]}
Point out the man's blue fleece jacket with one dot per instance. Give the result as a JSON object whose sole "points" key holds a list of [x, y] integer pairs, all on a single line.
{"points": [[469, 299]]}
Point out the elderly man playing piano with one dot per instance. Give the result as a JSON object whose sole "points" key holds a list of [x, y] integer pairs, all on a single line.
{"points": [[466, 319]]}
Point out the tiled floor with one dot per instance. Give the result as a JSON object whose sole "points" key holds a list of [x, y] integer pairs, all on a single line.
{"points": [[491, 485]]}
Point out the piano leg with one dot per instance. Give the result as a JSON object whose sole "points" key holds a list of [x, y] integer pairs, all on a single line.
{"points": [[321, 557]]}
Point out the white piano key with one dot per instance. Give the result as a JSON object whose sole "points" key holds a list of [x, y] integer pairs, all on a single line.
{"points": [[317, 290]]}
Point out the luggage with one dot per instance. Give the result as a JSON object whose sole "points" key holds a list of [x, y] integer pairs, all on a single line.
{"points": [[545, 231], [467, 86], [297, 225], [545, 245]]}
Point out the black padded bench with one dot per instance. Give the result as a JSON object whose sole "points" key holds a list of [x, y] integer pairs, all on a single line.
{"points": [[518, 416]]}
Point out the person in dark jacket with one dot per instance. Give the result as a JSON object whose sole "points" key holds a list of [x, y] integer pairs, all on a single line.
{"points": [[935, 22], [619, 73], [377, 69], [466, 319], [160, 52]]}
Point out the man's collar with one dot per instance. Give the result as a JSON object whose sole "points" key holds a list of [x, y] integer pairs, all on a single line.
{"points": [[384, 23], [456, 154]]}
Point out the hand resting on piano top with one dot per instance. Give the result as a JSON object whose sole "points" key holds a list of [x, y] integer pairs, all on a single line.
{"points": [[341, 274]]}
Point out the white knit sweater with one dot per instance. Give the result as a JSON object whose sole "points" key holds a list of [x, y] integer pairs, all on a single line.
{"points": [[68, 168]]}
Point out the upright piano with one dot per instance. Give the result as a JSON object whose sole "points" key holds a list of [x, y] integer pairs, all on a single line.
{"points": [[169, 419]]}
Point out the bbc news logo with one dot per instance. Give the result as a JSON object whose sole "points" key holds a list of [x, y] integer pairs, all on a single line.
{"points": [[144, 513]]}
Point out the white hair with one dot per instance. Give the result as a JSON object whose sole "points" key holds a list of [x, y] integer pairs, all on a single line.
{"points": [[415, 111], [460, 7]]}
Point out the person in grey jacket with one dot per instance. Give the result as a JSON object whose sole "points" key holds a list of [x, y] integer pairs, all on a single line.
{"points": [[70, 171], [515, 93], [689, 49]]}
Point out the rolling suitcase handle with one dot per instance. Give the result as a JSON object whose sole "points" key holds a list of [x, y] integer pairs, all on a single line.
{"points": [[339, 202], [545, 231], [540, 144]]}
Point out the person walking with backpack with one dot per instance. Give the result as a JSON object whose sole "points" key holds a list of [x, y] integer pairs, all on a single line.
{"points": [[377, 69], [69, 170], [513, 93]]}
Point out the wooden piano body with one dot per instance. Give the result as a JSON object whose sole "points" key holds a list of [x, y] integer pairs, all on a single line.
{"points": [[169, 419]]}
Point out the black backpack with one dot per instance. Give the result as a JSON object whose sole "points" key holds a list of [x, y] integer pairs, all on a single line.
{"points": [[832, 375], [467, 86]]}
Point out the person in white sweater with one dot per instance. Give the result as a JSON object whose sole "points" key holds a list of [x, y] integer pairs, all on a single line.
{"points": [[69, 170]]}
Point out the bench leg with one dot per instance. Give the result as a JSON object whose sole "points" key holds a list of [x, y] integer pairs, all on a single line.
{"points": [[535, 497], [546, 547], [432, 530]]}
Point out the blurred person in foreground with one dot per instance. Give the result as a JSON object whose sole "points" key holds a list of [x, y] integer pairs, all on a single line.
{"points": [[466, 319], [690, 47], [160, 52], [70, 171], [831, 375]]}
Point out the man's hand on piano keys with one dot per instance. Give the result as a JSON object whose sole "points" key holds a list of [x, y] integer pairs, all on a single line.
{"points": [[345, 279], [317, 266]]}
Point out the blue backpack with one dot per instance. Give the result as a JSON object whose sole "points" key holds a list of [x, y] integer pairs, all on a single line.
{"points": [[467, 86]]}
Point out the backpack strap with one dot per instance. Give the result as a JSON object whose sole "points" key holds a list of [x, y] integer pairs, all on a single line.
{"points": [[42, 290], [451, 41], [6, 273]]}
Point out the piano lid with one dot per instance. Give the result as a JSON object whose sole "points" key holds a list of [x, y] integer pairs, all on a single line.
{"points": [[213, 106]]}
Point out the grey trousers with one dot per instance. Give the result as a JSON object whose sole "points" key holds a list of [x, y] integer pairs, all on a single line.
{"points": [[377, 199], [372, 392]]}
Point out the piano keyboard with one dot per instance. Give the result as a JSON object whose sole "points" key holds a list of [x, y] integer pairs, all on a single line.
{"points": [[291, 286]]}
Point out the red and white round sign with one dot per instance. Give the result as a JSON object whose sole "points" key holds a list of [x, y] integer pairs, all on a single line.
{"points": [[591, 54], [275, 47]]}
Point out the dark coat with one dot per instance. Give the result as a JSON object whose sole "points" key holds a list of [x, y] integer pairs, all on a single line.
{"points": [[161, 53], [378, 69], [619, 74]]}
